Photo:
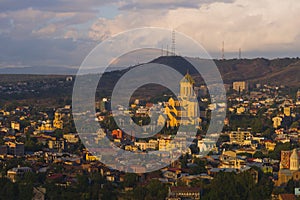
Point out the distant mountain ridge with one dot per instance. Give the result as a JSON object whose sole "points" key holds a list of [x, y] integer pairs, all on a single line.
{"points": [[38, 70], [281, 71]]}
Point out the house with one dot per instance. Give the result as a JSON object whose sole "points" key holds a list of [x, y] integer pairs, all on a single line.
{"points": [[17, 172], [15, 148], [184, 193], [287, 197]]}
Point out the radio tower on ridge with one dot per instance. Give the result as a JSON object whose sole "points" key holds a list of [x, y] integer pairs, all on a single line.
{"points": [[173, 44], [223, 51]]}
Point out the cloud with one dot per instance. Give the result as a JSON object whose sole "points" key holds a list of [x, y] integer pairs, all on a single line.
{"points": [[62, 32], [41, 24], [263, 25], [45, 33]]}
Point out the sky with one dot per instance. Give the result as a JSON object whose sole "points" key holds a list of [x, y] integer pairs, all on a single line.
{"points": [[61, 33]]}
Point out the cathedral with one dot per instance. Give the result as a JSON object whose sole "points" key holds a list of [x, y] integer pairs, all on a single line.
{"points": [[289, 167], [183, 111]]}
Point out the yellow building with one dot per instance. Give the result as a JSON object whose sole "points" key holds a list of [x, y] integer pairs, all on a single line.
{"points": [[229, 159], [142, 145], [276, 121], [240, 110], [183, 111], [270, 146], [239, 86], [15, 125], [163, 144], [16, 173], [71, 138], [58, 122], [287, 111], [46, 127], [90, 157], [240, 137], [131, 148], [55, 144]]}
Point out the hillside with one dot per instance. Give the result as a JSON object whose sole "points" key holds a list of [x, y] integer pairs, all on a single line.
{"points": [[285, 71]]}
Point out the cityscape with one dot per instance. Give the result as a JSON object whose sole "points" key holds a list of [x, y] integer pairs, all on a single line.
{"points": [[149, 100], [43, 157]]}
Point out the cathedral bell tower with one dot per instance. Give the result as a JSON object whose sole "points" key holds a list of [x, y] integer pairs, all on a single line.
{"points": [[294, 161], [186, 86]]}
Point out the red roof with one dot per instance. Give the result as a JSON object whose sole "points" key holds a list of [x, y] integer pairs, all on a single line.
{"points": [[55, 176], [287, 196]]}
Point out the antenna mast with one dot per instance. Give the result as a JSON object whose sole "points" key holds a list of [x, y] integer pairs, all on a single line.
{"points": [[173, 43], [167, 50], [223, 51]]}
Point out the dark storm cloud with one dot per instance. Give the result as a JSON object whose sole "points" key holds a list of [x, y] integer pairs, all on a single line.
{"points": [[38, 52]]}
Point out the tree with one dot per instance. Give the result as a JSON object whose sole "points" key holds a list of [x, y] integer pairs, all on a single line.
{"points": [[18, 190], [222, 139], [107, 192], [183, 161], [257, 125], [58, 133], [130, 180], [238, 186], [258, 154], [8, 190], [294, 125], [199, 167], [277, 151], [139, 193], [290, 186], [156, 190], [82, 183]]}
